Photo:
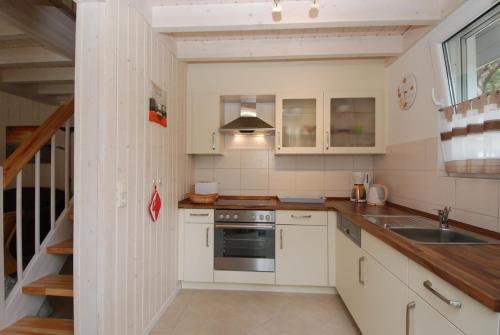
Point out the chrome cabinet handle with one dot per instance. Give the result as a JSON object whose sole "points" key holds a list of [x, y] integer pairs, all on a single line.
{"points": [[281, 239], [293, 216], [279, 140], [197, 214], [409, 307], [213, 140], [208, 231], [360, 261], [327, 140], [453, 303]]}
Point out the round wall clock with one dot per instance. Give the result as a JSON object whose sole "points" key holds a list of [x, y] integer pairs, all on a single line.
{"points": [[407, 91]]}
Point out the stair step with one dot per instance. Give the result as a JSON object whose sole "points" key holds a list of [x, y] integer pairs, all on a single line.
{"points": [[53, 285], [62, 248], [37, 326]]}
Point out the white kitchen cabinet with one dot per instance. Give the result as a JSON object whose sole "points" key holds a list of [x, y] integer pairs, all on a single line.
{"points": [[205, 119], [299, 123], [348, 272], [353, 122], [198, 252], [301, 255], [424, 320], [384, 299]]}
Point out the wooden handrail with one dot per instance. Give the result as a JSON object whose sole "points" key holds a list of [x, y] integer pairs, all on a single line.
{"points": [[28, 149]]}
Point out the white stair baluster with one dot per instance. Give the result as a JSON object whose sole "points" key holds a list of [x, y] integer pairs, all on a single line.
{"points": [[52, 182], [66, 163], [19, 225], [37, 202]]}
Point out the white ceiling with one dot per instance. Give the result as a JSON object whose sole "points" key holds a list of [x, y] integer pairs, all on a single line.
{"points": [[218, 30]]}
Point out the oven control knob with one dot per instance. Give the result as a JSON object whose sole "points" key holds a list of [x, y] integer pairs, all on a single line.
{"points": [[268, 218], [228, 216], [221, 216], [261, 217], [236, 217]]}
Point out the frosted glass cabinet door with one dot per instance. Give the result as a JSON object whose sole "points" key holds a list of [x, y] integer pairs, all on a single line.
{"points": [[353, 122], [299, 123]]}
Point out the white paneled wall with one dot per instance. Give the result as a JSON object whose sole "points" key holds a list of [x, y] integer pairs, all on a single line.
{"points": [[125, 264], [249, 167]]}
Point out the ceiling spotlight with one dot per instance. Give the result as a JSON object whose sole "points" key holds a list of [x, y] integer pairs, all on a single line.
{"points": [[277, 6], [315, 4]]}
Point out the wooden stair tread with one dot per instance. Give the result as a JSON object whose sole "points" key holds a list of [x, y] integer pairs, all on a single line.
{"points": [[36, 326], [53, 285], [62, 248]]}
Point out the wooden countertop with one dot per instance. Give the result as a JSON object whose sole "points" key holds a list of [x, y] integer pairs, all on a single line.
{"points": [[474, 269]]}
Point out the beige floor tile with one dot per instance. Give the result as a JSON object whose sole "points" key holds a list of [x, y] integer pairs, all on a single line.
{"points": [[206, 312]]}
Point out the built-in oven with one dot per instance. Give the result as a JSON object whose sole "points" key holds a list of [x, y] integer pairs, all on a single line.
{"points": [[244, 240]]}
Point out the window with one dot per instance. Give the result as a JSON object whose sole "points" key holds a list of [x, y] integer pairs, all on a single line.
{"points": [[473, 58]]}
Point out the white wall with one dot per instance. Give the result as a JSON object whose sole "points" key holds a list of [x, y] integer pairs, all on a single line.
{"points": [[293, 76], [412, 167], [125, 265]]}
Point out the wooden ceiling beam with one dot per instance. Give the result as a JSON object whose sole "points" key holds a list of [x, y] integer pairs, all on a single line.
{"points": [[46, 24], [38, 75], [295, 15], [31, 57], [290, 48]]}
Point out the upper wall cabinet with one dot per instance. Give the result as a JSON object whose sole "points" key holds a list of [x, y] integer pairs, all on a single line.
{"points": [[353, 122], [299, 123], [205, 119]]}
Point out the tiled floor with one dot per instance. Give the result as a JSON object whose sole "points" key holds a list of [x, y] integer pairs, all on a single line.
{"points": [[197, 312]]}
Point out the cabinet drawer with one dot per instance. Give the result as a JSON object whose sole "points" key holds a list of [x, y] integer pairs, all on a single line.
{"points": [[199, 216], [389, 257], [303, 218], [472, 317]]}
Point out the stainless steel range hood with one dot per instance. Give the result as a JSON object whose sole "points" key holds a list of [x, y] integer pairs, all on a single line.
{"points": [[248, 122]]}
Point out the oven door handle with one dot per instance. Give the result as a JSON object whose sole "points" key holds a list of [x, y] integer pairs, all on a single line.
{"points": [[258, 227]]}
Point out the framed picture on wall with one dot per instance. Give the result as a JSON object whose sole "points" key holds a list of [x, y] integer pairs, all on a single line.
{"points": [[16, 135], [158, 105]]}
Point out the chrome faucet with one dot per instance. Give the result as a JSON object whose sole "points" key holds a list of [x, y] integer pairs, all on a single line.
{"points": [[443, 217]]}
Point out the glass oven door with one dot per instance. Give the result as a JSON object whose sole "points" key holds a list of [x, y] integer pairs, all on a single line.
{"points": [[244, 247]]}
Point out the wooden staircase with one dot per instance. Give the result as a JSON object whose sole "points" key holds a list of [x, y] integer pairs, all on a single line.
{"points": [[53, 285]]}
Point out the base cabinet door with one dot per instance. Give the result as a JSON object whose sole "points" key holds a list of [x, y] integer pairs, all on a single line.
{"points": [[384, 299], [301, 255], [422, 319], [347, 274], [198, 252]]}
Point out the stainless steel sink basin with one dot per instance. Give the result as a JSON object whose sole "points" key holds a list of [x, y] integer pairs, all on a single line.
{"points": [[438, 236]]}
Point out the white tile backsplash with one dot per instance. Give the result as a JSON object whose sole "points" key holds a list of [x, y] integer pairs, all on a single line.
{"points": [[477, 195], [255, 159], [312, 163], [254, 170], [414, 176], [341, 162], [230, 160], [229, 179], [255, 179]]}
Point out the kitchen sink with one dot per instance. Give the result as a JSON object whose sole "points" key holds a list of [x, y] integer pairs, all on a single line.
{"points": [[438, 236]]}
